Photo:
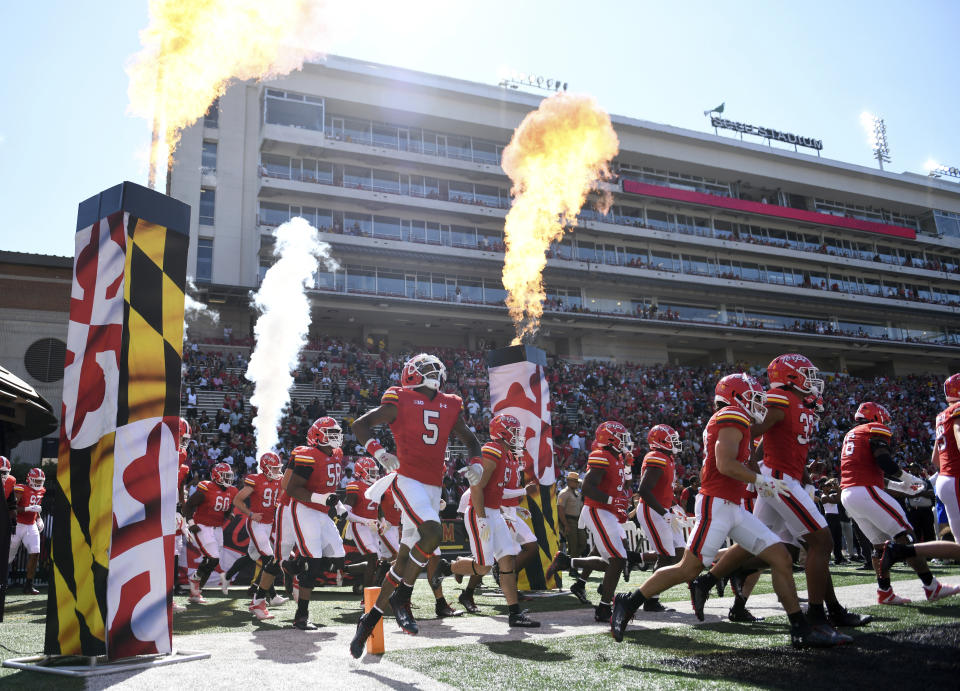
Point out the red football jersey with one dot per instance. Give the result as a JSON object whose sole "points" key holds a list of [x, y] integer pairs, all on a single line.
{"points": [[713, 483], [28, 496], [663, 490], [857, 465], [265, 496], [613, 478], [363, 507], [389, 508], [421, 431], [325, 472], [507, 468], [217, 501], [947, 450], [515, 481], [9, 482], [785, 445]]}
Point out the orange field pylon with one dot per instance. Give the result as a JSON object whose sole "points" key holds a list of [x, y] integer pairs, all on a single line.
{"points": [[375, 642]]}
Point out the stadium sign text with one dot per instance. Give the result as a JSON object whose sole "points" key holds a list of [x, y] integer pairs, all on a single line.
{"points": [[767, 133]]}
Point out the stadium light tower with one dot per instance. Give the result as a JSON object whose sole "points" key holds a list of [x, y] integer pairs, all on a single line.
{"points": [[935, 170], [877, 136]]}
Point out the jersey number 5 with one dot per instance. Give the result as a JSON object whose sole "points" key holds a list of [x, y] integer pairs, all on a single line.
{"points": [[433, 431]]}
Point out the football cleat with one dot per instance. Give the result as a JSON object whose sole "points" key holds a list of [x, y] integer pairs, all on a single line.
{"points": [[602, 613], [521, 620], [277, 600], [177, 607], [403, 615], [441, 572], [623, 612], [442, 609], [197, 600], [466, 599], [561, 560], [194, 589], [842, 617], [260, 610], [816, 637], [652, 604], [938, 591], [699, 594], [888, 597], [224, 584], [364, 629], [28, 589], [579, 591], [304, 624], [742, 615]]}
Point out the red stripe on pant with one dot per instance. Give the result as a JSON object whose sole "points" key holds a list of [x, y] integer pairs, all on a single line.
{"points": [[417, 521], [301, 543], [278, 534], [200, 545], [475, 532], [253, 539], [654, 535], [356, 539], [800, 512], [608, 543], [889, 509], [706, 513]]}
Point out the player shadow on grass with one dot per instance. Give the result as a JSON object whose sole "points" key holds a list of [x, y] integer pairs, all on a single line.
{"points": [[286, 645], [525, 650], [386, 681]]}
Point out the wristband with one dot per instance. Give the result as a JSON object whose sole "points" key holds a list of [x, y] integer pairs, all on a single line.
{"points": [[373, 446]]}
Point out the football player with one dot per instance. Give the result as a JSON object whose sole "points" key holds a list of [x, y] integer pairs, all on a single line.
{"points": [[183, 474], [865, 459], [739, 402], [657, 510], [787, 430], [946, 454], [205, 511], [362, 516], [258, 500], [8, 482], [421, 418], [29, 497], [491, 539], [312, 487]]}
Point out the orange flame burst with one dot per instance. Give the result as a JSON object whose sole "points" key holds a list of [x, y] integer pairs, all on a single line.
{"points": [[556, 155], [192, 49]]}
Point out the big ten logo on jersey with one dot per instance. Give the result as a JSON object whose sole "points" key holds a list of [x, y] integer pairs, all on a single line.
{"points": [[222, 503], [432, 433], [809, 423]]}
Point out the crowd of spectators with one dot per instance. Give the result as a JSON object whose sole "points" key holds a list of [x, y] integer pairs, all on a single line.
{"points": [[347, 378]]}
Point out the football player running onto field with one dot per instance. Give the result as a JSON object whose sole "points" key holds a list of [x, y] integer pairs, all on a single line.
{"points": [[362, 514], [864, 460], [421, 418], [205, 512], [946, 454], [739, 401], [28, 500]]}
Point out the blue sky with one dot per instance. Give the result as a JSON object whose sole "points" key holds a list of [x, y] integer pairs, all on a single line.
{"points": [[809, 68]]}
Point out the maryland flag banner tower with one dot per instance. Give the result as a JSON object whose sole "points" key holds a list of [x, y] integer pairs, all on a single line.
{"points": [[518, 386], [113, 521]]}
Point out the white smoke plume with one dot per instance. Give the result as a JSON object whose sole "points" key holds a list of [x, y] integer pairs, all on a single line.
{"points": [[195, 311], [284, 321]]}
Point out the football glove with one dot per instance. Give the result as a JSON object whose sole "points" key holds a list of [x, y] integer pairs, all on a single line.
{"points": [[388, 461], [472, 473], [484, 529], [523, 514], [33, 508], [770, 487], [620, 504], [907, 484], [39, 524]]}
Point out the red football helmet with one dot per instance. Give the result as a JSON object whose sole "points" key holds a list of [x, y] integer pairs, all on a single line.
{"points": [[367, 469], [797, 371], [35, 478], [4, 467], [743, 391], [507, 428], [614, 435], [184, 433], [325, 432], [665, 438], [951, 388], [222, 474], [271, 466], [872, 412], [423, 370]]}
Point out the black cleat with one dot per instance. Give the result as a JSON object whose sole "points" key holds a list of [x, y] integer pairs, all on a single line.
{"points": [[442, 609], [304, 624], [742, 615], [364, 629], [699, 594], [623, 612], [441, 572], [403, 615], [579, 591], [843, 617], [815, 637], [466, 599], [521, 620], [653, 605], [602, 613], [561, 561]]}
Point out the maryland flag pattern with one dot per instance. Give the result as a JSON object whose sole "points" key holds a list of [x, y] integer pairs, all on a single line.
{"points": [[113, 527]]}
